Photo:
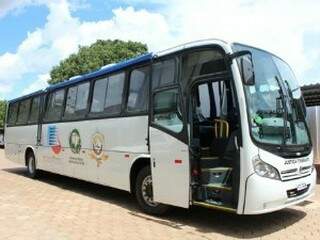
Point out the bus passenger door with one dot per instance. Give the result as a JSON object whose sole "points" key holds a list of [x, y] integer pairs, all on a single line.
{"points": [[169, 149]]}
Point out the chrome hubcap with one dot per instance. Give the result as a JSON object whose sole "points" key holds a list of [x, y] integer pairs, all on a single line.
{"points": [[147, 192]]}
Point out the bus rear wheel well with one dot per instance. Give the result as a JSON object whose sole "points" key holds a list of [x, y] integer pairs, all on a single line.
{"points": [[29, 150], [135, 169]]}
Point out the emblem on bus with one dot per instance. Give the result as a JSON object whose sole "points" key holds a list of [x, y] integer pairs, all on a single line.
{"points": [[97, 152], [75, 141], [53, 139]]}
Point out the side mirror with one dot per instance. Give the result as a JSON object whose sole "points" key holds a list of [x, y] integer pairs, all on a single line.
{"points": [[245, 63]]}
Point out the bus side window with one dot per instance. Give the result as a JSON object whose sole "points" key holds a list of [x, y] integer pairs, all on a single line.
{"points": [[163, 73], [107, 95], [35, 110], [99, 95], [23, 113], [77, 101], [54, 106], [113, 100], [12, 113], [166, 110], [138, 90]]}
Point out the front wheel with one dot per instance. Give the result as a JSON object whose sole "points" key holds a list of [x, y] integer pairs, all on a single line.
{"points": [[144, 193], [31, 165]]}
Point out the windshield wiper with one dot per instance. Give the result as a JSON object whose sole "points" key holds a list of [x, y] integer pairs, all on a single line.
{"points": [[293, 108], [285, 110]]}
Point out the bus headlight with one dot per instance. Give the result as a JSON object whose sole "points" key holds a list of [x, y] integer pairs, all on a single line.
{"points": [[264, 169]]}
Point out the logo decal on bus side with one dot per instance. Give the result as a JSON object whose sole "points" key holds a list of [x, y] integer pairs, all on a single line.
{"points": [[75, 141], [53, 139], [97, 152]]}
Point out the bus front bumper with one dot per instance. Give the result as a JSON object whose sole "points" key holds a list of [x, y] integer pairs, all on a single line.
{"points": [[265, 195]]}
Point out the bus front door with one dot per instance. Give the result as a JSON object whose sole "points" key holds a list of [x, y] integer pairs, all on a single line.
{"points": [[169, 150]]}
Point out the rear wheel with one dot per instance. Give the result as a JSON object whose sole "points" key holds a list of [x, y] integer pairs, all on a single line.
{"points": [[144, 193], [31, 165]]}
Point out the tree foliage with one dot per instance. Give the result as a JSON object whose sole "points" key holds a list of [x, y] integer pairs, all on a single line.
{"points": [[89, 58], [3, 106]]}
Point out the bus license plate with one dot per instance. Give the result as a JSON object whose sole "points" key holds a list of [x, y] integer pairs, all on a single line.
{"points": [[301, 186]]}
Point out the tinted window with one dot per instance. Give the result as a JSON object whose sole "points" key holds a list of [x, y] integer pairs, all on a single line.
{"points": [[54, 106], [12, 113], [71, 102], [138, 90], [166, 110], [34, 112], [220, 94], [23, 113], [163, 73], [82, 97], [202, 63], [204, 100], [114, 94], [107, 95], [77, 101], [99, 95]]}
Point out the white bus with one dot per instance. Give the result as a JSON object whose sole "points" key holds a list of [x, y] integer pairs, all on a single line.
{"points": [[208, 123]]}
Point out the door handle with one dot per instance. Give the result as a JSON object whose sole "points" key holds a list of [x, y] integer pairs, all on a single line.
{"points": [[154, 162]]}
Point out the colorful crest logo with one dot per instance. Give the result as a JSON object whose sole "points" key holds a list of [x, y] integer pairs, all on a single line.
{"points": [[75, 141], [53, 139], [97, 152]]}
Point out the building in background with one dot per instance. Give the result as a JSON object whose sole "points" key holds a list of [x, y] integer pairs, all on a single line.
{"points": [[311, 94]]}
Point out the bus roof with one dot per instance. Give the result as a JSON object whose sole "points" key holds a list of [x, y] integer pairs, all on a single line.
{"points": [[103, 71], [121, 65], [26, 96]]}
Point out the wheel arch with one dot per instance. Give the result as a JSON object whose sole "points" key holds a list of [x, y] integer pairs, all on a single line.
{"points": [[28, 150], [136, 165]]}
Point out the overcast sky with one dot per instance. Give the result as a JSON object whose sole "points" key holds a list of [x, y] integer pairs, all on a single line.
{"points": [[36, 34]]}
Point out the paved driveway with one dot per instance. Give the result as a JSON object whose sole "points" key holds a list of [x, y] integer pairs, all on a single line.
{"points": [[56, 207]]}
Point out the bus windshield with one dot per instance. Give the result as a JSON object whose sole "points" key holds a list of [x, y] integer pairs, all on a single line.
{"points": [[275, 104]]}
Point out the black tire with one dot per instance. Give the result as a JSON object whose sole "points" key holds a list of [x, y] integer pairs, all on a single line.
{"points": [[155, 208], [31, 165]]}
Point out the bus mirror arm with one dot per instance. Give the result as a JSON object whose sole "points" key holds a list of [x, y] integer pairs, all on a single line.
{"points": [[238, 55], [246, 66]]}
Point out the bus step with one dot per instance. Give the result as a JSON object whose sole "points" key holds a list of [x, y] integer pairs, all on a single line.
{"points": [[218, 175], [218, 194], [205, 152], [209, 162], [209, 158], [217, 186], [215, 205]]}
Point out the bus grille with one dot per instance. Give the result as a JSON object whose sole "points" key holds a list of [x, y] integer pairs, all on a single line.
{"points": [[295, 173]]}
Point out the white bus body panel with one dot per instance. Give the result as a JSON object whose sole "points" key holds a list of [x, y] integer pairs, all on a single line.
{"points": [[170, 169], [17, 139], [122, 140], [267, 195]]}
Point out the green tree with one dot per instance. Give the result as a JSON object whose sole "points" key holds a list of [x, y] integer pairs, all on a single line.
{"points": [[3, 106], [89, 58]]}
